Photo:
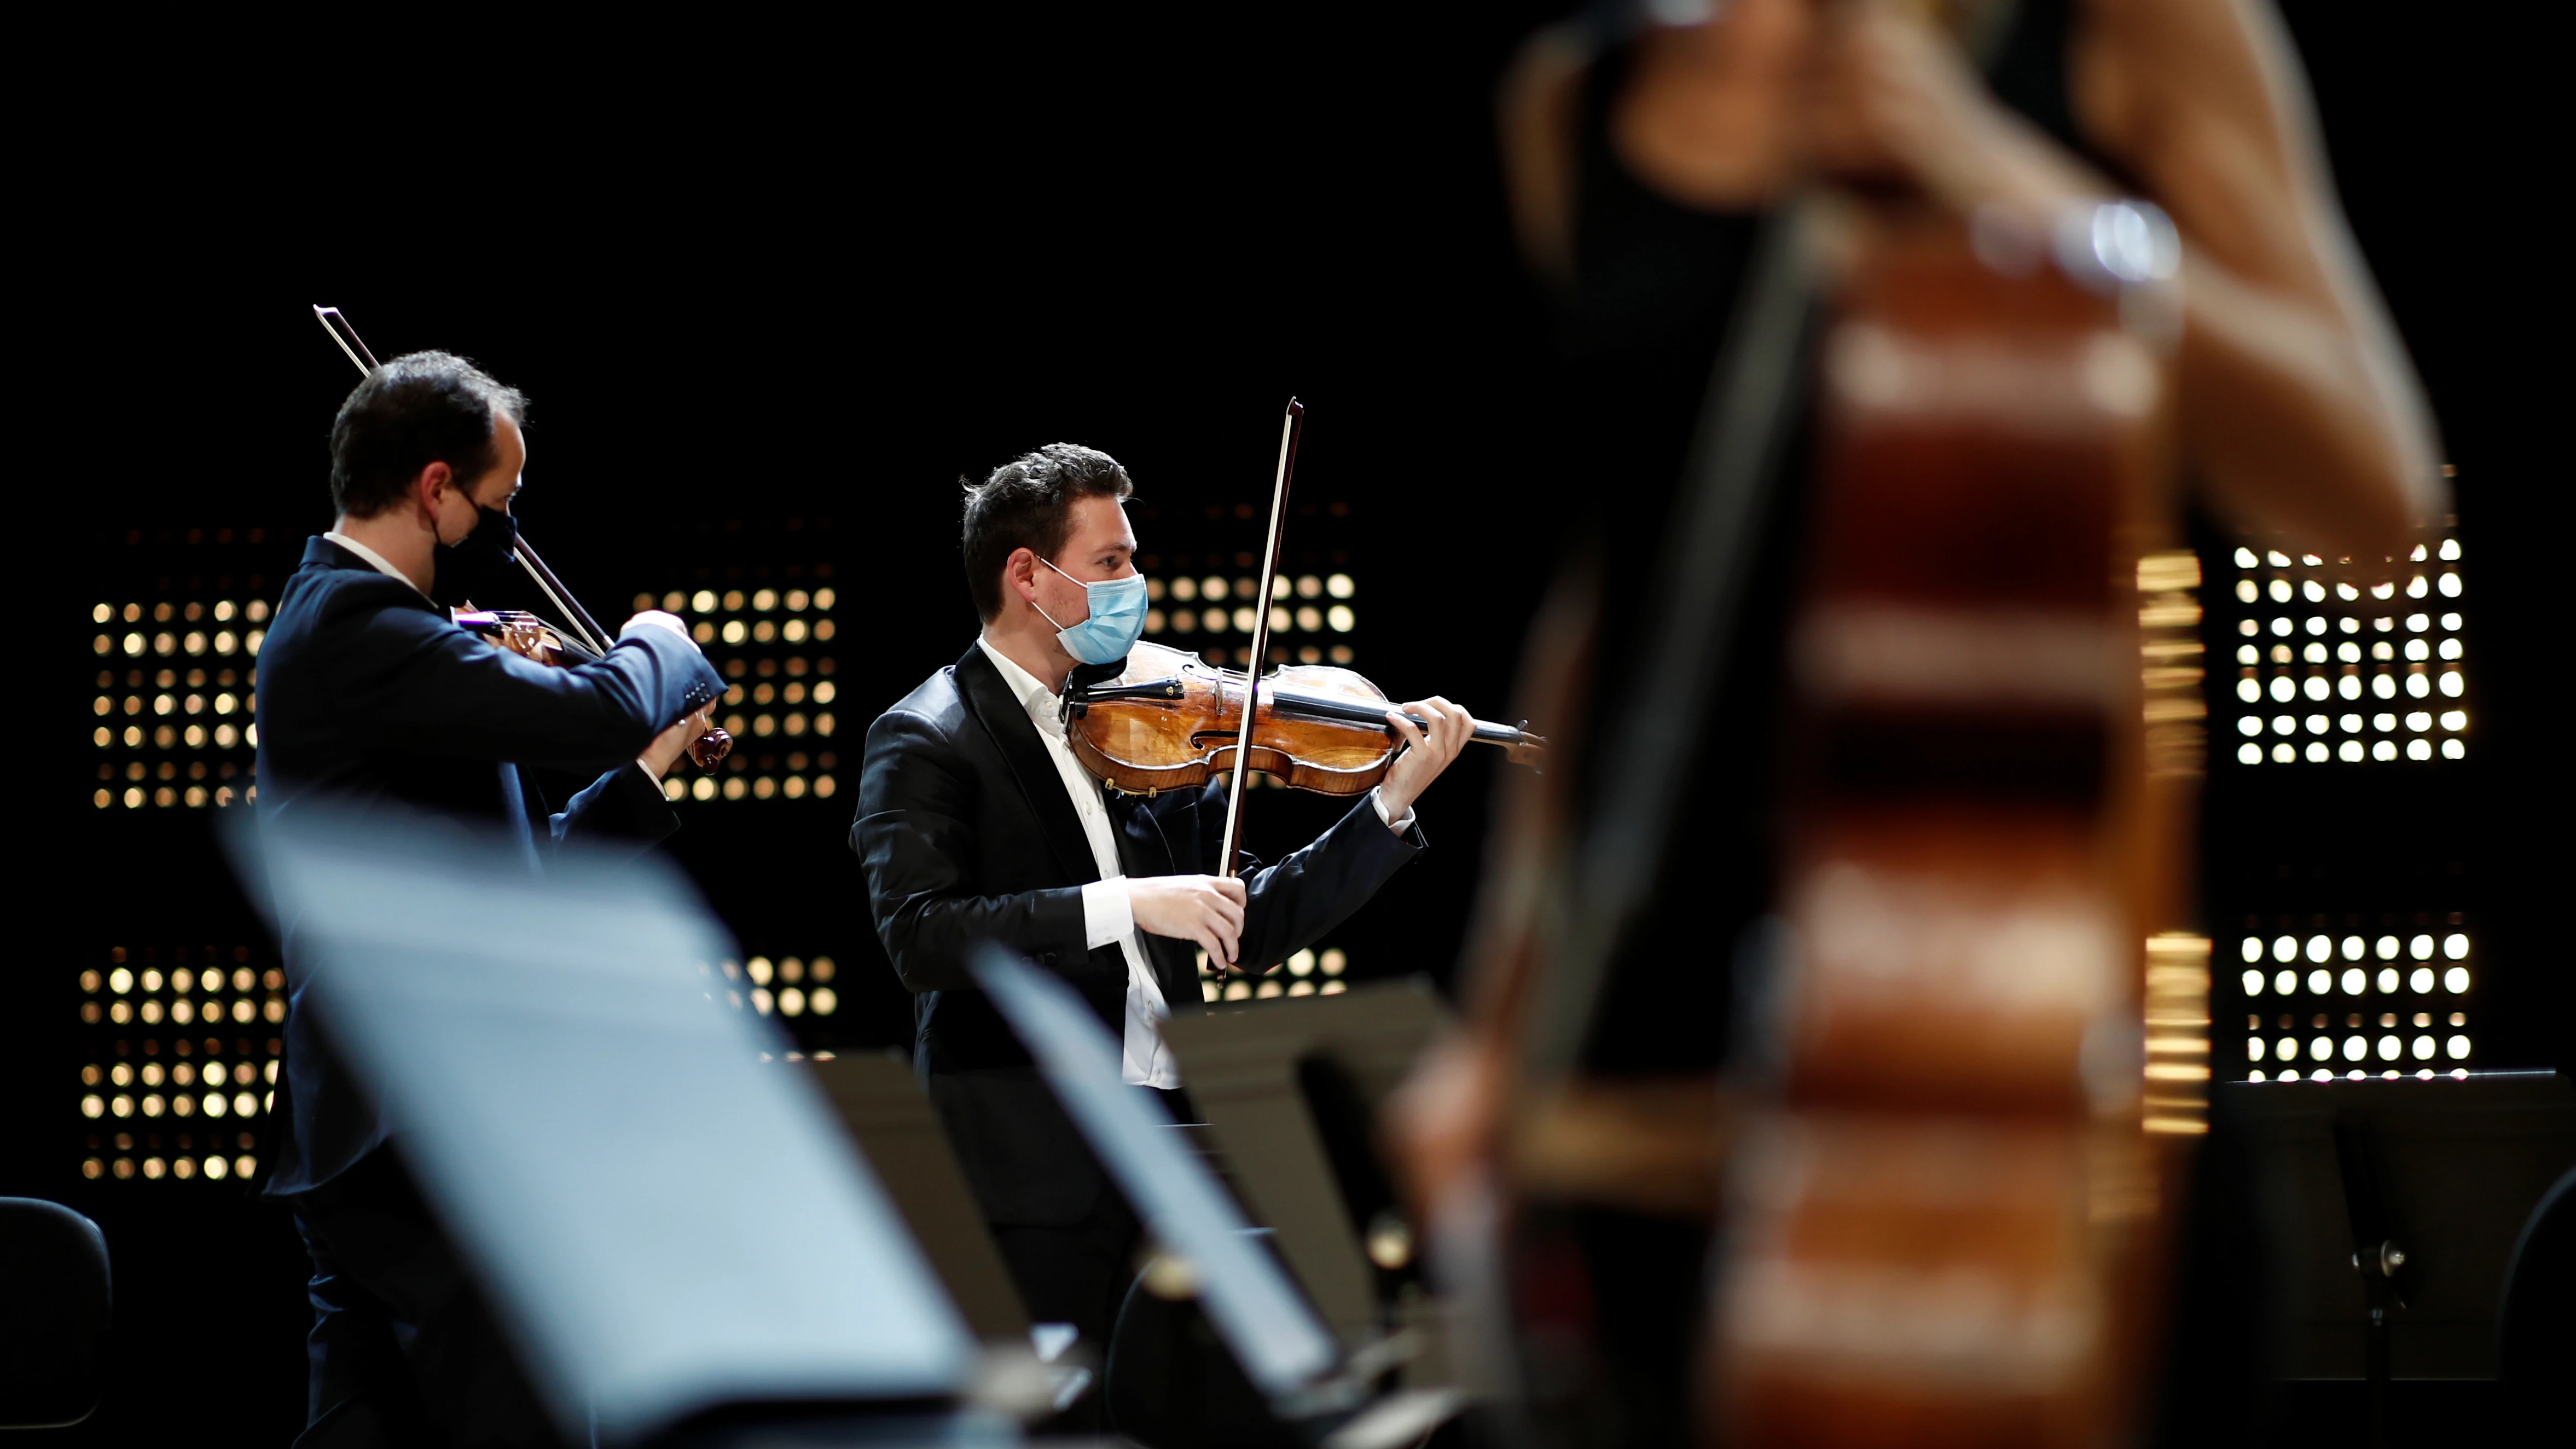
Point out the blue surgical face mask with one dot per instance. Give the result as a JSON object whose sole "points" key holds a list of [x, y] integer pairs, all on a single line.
{"points": [[1117, 619]]}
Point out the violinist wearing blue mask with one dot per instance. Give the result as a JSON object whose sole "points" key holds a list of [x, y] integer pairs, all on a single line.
{"points": [[975, 822], [1116, 619]]}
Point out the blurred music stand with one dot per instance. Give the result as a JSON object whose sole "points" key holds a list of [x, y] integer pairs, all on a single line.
{"points": [[1284, 1347], [1290, 1089], [894, 1126], [2407, 1197], [663, 1212]]}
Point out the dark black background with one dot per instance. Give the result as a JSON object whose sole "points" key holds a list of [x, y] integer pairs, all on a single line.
{"points": [[773, 291]]}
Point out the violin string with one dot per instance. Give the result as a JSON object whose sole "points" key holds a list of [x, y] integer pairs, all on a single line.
{"points": [[1356, 712]]}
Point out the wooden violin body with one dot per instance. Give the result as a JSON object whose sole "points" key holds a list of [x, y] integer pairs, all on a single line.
{"points": [[532, 638], [1169, 721], [523, 634]]}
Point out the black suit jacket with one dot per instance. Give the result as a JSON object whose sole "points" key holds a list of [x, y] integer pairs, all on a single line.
{"points": [[965, 835], [369, 696]]}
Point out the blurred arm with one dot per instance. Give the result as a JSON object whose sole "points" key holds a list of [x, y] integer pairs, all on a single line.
{"points": [[2300, 409]]}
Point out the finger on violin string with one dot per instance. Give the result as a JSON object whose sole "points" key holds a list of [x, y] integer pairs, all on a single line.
{"points": [[1457, 726]]}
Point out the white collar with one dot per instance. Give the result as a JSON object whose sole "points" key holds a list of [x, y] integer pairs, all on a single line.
{"points": [[373, 557], [1032, 694]]}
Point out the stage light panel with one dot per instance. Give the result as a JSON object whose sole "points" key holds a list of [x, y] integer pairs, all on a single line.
{"points": [[176, 705], [186, 695], [1316, 971], [178, 1059], [2171, 663], [1203, 602], [788, 987], [768, 643], [2382, 667], [2175, 1004], [2410, 1014]]}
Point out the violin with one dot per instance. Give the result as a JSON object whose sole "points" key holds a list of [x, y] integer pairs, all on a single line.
{"points": [[535, 640], [523, 634], [579, 641], [1169, 721]]}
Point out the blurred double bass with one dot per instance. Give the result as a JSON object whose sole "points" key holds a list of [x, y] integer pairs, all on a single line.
{"points": [[1940, 1209], [1942, 1204]]}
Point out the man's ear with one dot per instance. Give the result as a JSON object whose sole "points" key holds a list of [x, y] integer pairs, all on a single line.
{"points": [[425, 488], [1019, 571]]}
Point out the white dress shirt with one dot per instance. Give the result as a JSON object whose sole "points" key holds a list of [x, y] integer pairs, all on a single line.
{"points": [[373, 557], [1107, 912]]}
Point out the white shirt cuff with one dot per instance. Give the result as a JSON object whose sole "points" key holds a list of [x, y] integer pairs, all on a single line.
{"points": [[1377, 802], [1107, 914], [650, 773]]}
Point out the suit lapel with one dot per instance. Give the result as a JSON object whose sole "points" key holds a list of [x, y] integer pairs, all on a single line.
{"points": [[1017, 739], [1145, 848]]}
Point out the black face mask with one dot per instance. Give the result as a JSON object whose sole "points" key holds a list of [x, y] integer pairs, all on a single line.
{"points": [[478, 563]]}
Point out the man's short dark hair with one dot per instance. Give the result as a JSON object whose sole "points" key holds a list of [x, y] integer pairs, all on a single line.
{"points": [[419, 409], [1028, 503]]}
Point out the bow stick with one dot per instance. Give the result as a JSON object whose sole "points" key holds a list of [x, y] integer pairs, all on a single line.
{"points": [[569, 608], [1288, 430]]}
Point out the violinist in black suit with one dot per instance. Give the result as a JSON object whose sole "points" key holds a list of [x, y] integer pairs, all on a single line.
{"points": [[976, 823], [370, 697]]}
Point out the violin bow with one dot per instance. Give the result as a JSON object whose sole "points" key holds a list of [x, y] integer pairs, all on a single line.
{"points": [[576, 618], [1289, 427]]}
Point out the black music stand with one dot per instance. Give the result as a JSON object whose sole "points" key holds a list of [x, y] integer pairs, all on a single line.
{"points": [[1290, 1088], [2407, 1197], [662, 1210], [1282, 1344], [897, 1130]]}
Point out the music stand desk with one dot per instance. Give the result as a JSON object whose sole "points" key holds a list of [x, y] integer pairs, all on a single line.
{"points": [[2459, 1164]]}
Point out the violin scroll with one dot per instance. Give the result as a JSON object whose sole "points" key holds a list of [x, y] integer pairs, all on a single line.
{"points": [[708, 750]]}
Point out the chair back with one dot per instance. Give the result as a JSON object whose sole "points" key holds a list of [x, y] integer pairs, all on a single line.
{"points": [[53, 1314]]}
